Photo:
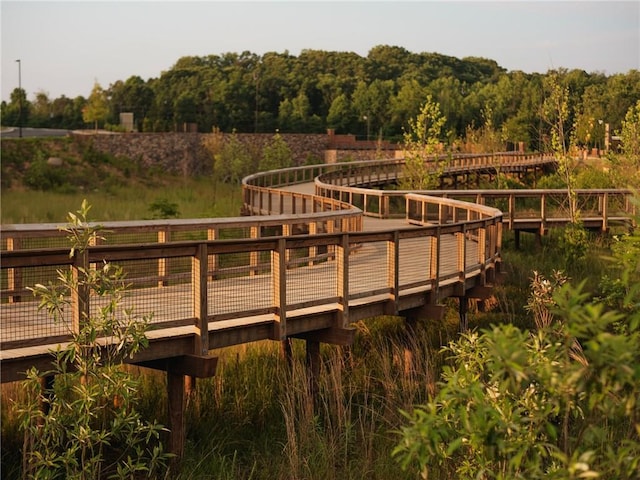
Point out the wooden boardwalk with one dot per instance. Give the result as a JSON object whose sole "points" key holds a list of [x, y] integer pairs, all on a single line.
{"points": [[308, 267], [333, 264]]}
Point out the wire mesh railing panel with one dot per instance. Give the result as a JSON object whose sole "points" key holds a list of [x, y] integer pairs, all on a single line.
{"points": [[472, 249], [25, 243], [160, 289], [368, 269], [113, 237], [21, 319], [242, 284], [527, 206], [415, 266], [309, 281], [501, 202]]}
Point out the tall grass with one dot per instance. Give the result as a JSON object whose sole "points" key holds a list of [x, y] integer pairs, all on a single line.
{"points": [[257, 418]]}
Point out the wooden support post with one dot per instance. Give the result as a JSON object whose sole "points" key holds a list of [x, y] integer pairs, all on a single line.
{"points": [[287, 352], [463, 307], [176, 402], [46, 385], [313, 367]]}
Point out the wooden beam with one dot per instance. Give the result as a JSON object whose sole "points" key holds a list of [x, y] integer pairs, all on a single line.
{"points": [[334, 336], [191, 365]]}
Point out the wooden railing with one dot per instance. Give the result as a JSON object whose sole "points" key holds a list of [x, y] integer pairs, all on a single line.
{"points": [[530, 210], [260, 288], [308, 268]]}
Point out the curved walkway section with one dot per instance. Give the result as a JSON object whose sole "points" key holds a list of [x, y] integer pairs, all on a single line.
{"points": [[307, 263]]}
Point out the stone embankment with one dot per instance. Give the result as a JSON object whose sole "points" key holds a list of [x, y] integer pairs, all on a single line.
{"points": [[187, 154]]}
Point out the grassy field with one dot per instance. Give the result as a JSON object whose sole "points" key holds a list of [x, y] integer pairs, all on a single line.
{"points": [[192, 198]]}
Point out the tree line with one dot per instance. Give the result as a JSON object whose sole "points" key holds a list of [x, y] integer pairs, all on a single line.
{"points": [[373, 97]]}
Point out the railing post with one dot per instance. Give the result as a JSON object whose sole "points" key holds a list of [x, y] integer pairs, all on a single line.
{"points": [[342, 275], [199, 275], [279, 288], [512, 211], [313, 250], [80, 294], [287, 231], [461, 249], [164, 236], [253, 255], [387, 208], [393, 272], [543, 214], [482, 253], [434, 266], [212, 265], [605, 211], [14, 275]]}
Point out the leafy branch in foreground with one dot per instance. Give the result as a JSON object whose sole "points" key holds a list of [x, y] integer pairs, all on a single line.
{"points": [[84, 425], [561, 402]]}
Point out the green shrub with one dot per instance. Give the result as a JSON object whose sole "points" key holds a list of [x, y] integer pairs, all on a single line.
{"points": [[560, 402], [42, 176]]}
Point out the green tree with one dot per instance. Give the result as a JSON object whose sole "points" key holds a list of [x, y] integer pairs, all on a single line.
{"points": [[276, 154], [630, 134], [340, 115], [97, 108], [421, 145], [405, 105], [17, 111], [556, 112], [232, 161], [85, 426], [41, 113]]}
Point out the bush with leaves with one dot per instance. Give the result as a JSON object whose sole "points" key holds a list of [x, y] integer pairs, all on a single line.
{"points": [[562, 402], [84, 425]]}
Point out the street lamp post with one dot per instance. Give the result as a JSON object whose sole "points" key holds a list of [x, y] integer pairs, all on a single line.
{"points": [[366, 119], [19, 98], [600, 122]]}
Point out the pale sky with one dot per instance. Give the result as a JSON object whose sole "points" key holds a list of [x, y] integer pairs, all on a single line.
{"points": [[64, 47]]}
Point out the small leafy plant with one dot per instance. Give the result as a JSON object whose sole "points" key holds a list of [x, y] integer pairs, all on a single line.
{"points": [[84, 425]]}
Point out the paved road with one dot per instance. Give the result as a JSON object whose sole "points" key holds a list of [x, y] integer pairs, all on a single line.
{"points": [[14, 132]]}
